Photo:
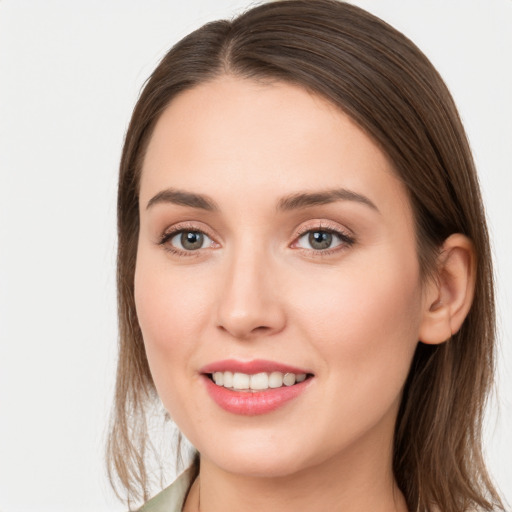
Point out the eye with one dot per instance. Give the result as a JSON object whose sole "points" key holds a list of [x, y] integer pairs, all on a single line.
{"points": [[322, 240], [188, 240]]}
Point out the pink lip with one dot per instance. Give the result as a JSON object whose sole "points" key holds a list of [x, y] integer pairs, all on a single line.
{"points": [[250, 367], [251, 403]]}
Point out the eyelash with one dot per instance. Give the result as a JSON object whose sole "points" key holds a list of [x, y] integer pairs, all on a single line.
{"points": [[346, 240], [176, 230]]}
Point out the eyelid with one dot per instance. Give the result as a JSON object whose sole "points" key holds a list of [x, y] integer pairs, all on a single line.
{"points": [[323, 225], [187, 226]]}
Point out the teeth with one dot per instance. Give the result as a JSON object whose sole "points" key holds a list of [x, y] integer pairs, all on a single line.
{"points": [[275, 380], [241, 381], [228, 379], [257, 382], [289, 379]]}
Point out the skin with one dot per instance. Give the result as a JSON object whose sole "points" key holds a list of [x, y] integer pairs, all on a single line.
{"points": [[351, 315]]}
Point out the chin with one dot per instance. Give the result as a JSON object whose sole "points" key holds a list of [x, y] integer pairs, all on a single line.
{"points": [[275, 465], [268, 457]]}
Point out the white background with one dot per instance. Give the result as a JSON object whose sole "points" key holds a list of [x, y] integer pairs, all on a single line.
{"points": [[70, 72]]}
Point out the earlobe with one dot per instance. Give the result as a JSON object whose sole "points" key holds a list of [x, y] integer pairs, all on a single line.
{"points": [[449, 296]]}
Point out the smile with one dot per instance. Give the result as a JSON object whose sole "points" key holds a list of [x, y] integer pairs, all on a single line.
{"points": [[254, 387], [257, 382]]}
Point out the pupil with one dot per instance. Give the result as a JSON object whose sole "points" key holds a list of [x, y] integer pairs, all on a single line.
{"points": [[192, 240], [320, 239]]}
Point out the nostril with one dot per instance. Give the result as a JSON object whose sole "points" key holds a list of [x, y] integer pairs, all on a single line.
{"points": [[261, 328]]}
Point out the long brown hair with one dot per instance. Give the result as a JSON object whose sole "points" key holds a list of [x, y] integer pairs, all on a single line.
{"points": [[388, 87]]}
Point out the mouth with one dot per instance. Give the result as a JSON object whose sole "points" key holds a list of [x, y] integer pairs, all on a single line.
{"points": [[255, 387]]}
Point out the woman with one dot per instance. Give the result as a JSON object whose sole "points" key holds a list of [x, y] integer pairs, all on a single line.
{"points": [[304, 271]]}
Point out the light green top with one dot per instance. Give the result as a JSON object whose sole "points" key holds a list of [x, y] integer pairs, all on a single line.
{"points": [[172, 498]]}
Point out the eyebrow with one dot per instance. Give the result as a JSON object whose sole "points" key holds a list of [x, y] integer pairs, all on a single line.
{"points": [[295, 201], [182, 198], [307, 199]]}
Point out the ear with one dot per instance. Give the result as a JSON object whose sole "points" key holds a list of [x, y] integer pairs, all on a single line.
{"points": [[448, 296]]}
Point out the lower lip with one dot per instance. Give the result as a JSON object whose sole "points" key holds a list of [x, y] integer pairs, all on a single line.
{"points": [[251, 403]]}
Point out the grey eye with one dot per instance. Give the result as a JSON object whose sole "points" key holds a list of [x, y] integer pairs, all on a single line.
{"points": [[319, 240], [191, 240]]}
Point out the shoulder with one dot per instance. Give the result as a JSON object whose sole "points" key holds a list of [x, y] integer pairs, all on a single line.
{"points": [[171, 499]]}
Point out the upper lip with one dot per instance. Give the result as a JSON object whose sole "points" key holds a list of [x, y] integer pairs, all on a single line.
{"points": [[251, 367]]}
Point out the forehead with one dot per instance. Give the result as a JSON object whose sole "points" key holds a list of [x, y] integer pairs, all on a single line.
{"points": [[240, 135]]}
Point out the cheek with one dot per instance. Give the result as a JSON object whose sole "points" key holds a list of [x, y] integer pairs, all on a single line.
{"points": [[365, 320], [169, 301], [170, 309]]}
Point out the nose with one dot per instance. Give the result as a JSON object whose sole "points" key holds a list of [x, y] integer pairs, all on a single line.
{"points": [[251, 304]]}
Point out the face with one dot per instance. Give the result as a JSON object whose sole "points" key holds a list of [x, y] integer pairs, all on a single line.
{"points": [[276, 243]]}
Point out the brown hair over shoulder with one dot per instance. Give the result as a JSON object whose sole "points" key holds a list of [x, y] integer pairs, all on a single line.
{"points": [[381, 80]]}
